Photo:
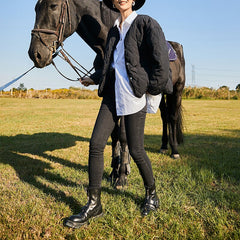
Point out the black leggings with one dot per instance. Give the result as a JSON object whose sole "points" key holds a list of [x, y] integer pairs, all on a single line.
{"points": [[134, 124]]}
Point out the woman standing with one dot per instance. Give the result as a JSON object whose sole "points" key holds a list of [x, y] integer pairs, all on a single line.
{"points": [[135, 63]]}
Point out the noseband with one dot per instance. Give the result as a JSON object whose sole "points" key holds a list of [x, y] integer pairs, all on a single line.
{"points": [[65, 10]]}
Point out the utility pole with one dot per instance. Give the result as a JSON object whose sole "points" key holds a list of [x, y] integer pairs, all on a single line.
{"points": [[193, 75]]}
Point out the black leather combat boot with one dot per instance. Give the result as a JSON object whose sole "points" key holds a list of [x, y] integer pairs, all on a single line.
{"points": [[151, 202], [92, 209]]}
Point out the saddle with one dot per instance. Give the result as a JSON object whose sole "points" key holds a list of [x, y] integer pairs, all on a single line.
{"points": [[171, 52]]}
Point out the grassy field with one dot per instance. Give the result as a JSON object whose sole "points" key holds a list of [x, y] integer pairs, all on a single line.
{"points": [[43, 174]]}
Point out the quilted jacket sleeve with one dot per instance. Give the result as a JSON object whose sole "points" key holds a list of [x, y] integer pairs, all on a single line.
{"points": [[160, 77], [98, 65]]}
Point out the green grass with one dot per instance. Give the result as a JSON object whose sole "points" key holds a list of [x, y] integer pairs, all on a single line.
{"points": [[43, 174]]}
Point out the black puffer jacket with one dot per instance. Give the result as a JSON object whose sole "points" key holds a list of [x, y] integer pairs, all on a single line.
{"points": [[146, 58]]}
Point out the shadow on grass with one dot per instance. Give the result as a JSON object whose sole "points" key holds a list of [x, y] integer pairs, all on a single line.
{"points": [[24, 152], [212, 162], [220, 154], [29, 168]]}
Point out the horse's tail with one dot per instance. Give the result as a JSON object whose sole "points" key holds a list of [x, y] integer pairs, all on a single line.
{"points": [[180, 86], [179, 126], [174, 101], [175, 116]]}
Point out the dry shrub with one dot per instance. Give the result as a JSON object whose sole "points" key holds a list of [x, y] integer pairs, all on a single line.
{"points": [[210, 93], [79, 93], [71, 93]]}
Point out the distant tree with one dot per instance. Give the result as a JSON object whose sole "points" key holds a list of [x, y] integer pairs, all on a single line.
{"points": [[238, 87], [224, 88], [21, 87]]}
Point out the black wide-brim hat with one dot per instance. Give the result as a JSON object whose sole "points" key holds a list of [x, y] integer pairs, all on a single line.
{"points": [[138, 4]]}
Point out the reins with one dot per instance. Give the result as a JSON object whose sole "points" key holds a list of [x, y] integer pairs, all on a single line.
{"points": [[65, 56]]}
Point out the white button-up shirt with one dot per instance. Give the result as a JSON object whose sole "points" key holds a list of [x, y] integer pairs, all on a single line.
{"points": [[126, 102]]}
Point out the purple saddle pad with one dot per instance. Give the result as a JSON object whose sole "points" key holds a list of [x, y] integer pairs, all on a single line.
{"points": [[171, 52]]}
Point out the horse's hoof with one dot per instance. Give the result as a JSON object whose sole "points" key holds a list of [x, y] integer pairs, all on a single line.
{"points": [[175, 156], [163, 151], [119, 187], [121, 183]]}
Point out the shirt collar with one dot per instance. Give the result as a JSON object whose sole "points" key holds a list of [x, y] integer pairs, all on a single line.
{"points": [[128, 20]]}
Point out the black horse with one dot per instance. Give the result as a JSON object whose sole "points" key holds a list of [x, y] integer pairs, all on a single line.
{"points": [[56, 20]]}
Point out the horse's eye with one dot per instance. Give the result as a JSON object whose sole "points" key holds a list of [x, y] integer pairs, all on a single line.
{"points": [[53, 6]]}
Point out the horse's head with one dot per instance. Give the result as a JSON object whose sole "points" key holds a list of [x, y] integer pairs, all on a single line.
{"points": [[52, 26]]}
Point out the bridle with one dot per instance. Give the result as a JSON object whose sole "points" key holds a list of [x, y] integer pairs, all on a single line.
{"points": [[59, 32]]}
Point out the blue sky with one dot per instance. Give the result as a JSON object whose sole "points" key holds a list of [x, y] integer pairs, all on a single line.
{"points": [[208, 30]]}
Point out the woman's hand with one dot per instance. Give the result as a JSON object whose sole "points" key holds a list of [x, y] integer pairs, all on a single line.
{"points": [[86, 81]]}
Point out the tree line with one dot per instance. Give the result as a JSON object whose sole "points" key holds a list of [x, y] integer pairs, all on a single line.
{"points": [[80, 93]]}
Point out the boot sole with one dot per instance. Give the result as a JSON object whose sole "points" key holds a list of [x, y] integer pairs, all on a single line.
{"points": [[151, 210], [75, 225]]}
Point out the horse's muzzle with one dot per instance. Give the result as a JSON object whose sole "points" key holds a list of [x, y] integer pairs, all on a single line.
{"points": [[39, 53]]}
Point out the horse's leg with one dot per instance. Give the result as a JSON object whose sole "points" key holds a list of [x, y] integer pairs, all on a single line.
{"points": [[171, 102], [115, 155], [175, 119], [163, 110], [124, 169]]}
